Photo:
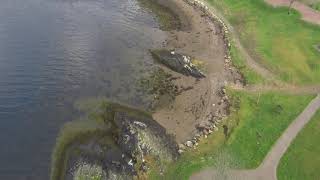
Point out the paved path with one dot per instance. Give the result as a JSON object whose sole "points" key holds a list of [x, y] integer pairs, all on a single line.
{"points": [[268, 168], [308, 14]]}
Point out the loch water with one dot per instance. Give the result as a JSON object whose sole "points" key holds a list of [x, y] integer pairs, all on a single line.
{"points": [[56, 52]]}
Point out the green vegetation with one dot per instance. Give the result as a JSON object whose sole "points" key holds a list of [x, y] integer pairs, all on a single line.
{"points": [[98, 123], [302, 160], [71, 132], [256, 121], [158, 83], [199, 64], [250, 76], [316, 6], [89, 172], [261, 120], [275, 38], [166, 18]]}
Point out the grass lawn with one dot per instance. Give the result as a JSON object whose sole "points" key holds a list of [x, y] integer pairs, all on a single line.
{"points": [[302, 160], [255, 124], [283, 43], [250, 76]]}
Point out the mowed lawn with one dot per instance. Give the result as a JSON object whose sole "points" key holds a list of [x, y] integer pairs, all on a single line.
{"points": [[260, 122], [256, 122], [282, 43], [302, 160]]}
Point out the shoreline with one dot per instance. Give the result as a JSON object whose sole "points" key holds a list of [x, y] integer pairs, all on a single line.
{"points": [[196, 112]]}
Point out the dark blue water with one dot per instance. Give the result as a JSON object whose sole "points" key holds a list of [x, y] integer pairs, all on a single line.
{"points": [[55, 52]]}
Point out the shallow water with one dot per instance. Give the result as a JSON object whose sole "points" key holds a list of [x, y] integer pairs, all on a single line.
{"points": [[55, 52]]}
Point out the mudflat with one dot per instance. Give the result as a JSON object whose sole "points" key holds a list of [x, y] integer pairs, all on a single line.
{"points": [[202, 39]]}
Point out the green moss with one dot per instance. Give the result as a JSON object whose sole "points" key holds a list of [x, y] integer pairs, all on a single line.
{"points": [[201, 65], [165, 16], [71, 133], [99, 123], [158, 83], [89, 172]]}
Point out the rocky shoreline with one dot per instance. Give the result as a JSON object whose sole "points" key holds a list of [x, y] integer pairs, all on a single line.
{"points": [[197, 112], [122, 143], [205, 128]]}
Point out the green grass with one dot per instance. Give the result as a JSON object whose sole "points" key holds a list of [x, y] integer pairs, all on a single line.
{"points": [[302, 160], [249, 75], [262, 119], [256, 122], [283, 43], [316, 6]]}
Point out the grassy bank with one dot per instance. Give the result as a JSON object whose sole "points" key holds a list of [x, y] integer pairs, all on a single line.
{"points": [[255, 124], [302, 160], [275, 38], [249, 75]]}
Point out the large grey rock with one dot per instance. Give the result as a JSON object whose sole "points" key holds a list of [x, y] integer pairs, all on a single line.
{"points": [[177, 62]]}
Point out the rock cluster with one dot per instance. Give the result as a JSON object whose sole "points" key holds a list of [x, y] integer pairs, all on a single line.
{"points": [[208, 12], [120, 148], [226, 35], [207, 126]]}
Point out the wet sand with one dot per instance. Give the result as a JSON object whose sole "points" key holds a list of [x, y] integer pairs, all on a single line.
{"points": [[202, 39]]}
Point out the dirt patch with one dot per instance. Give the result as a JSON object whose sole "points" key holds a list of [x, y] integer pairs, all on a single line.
{"points": [[203, 39]]}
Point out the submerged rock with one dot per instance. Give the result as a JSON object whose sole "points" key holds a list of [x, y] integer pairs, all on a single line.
{"points": [[115, 147], [177, 62]]}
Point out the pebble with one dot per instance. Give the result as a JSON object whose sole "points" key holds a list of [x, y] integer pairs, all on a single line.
{"points": [[189, 144]]}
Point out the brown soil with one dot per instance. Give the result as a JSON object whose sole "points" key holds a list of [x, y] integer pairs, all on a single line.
{"points": [[199, 37]]}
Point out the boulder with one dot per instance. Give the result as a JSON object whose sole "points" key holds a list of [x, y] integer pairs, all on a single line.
{"points": [[189, 144], [177, 62], [182, 147]]}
